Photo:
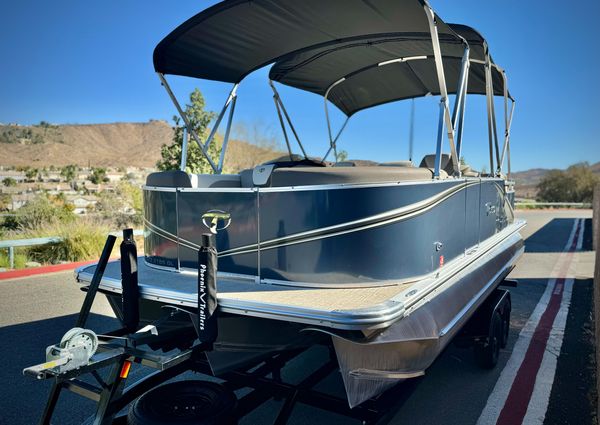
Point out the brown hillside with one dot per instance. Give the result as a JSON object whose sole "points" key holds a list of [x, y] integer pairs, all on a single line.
{"points": [[105, 145]]}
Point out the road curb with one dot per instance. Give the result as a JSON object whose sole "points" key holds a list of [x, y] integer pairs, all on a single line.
{"points": [[14, 274]]}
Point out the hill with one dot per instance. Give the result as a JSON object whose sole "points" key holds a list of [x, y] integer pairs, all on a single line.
{"points": [[105, 145], [526, 181]]}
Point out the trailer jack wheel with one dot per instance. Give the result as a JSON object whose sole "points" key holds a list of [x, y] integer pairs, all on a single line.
{"points": [[185, 403], [486, 353]]}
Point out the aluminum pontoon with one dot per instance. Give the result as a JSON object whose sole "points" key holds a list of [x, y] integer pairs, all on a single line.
{"points": [[388, 260]]}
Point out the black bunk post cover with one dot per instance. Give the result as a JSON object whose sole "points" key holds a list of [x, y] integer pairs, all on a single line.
{"points": [[129, 279], [207, 290]]}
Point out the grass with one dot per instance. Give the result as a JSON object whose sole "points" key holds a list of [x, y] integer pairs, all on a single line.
{"points": [[81, 240], [20, 260]]}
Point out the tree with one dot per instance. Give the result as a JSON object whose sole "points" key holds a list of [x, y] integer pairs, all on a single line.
{"points": [[341, 156], [69, 172], [31, 174], [199, 119], [9, 182], [98, 176], [575, 184]]}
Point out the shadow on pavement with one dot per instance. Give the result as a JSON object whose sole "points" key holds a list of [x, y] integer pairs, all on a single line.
{"points": [[558, 229]]}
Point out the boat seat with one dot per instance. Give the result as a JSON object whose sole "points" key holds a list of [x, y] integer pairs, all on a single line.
{"points": [[406, 163], [178, 178], [355, 163], [447, 165], [171, 178], [311, 176], [466, 171], [215, 180]]}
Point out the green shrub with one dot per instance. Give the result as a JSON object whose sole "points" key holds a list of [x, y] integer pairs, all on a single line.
{"points": [[81, 240], [41, 212]]}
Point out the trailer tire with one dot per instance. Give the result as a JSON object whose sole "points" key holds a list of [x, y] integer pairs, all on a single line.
{"points": [[505, 328], [486, 354], [185, 403]]}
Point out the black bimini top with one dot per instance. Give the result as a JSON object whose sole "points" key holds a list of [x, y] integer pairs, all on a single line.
{"points": [[316, 43], [235, 37], [356, 75]]}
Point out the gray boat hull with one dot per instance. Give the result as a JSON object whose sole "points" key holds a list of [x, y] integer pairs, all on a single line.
{"points": [[328, 235], [414, 261]]}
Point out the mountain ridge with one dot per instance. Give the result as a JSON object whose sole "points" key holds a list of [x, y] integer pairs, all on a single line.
{"points": [[119, 144]]}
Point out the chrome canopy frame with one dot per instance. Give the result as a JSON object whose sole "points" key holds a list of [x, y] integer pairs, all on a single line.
{"points": [[230, 102], [452, 122], [281, 108]]}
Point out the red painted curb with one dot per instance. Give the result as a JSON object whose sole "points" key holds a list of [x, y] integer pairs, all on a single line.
{"points": [[13, 274]]}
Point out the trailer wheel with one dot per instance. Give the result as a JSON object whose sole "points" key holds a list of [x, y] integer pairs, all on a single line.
{"points": [[185, 403], [486, 354], [505, 327]]}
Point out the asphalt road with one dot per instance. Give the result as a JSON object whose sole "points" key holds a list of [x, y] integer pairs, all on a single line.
{"points": [[36, 311]]}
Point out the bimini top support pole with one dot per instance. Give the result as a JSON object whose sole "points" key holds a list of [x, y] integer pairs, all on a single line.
{"points": [[490, 83], [287, 117], [227, 132], [230, 101], [461, 120], [186, 121], [490, 105], [460, 101], [507, 121], [184, 150], [332, 141], [285, 136], [437, 53], [411, 131]]}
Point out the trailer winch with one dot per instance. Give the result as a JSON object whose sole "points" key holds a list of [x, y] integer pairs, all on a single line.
{"points": [[75, 349]]}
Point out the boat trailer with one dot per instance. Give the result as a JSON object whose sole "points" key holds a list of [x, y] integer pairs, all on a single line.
{"points": [[171, 349]]}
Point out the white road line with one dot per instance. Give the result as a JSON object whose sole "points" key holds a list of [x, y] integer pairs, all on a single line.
{"points": [[497, 398], [538, 405]]}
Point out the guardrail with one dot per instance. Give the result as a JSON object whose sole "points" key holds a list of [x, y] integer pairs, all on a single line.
{"points": [[11, 244], [553, 204]]}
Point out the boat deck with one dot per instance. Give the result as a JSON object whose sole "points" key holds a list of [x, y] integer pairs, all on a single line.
{"points": [[330, 306]]}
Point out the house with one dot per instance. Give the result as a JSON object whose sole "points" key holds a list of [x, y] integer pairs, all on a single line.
{"points": [[82, 204]]}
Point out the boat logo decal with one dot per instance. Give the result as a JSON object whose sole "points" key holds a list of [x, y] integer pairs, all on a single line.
{"points": [[216, 220]]}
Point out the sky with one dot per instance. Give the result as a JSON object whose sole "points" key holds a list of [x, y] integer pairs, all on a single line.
{"points": [[67, 61]]}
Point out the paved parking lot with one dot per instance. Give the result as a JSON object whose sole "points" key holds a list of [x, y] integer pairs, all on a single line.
{"points": [[36, 311]]}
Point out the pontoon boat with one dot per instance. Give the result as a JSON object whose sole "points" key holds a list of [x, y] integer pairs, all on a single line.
{"points": [[388, 260]]}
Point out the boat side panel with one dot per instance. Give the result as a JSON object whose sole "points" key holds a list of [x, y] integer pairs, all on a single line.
{"points": [[493, 214], [472, 215], [397, 250], [303, 210], [241, 231], [160, 210]]}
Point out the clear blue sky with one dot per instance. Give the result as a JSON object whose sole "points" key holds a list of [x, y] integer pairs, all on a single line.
{"points": [[91, 62]]}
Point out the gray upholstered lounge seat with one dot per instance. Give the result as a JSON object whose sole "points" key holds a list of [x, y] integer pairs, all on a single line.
{"points": [[310, 176], [173, 178], [177, 178], [428, 161]]}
